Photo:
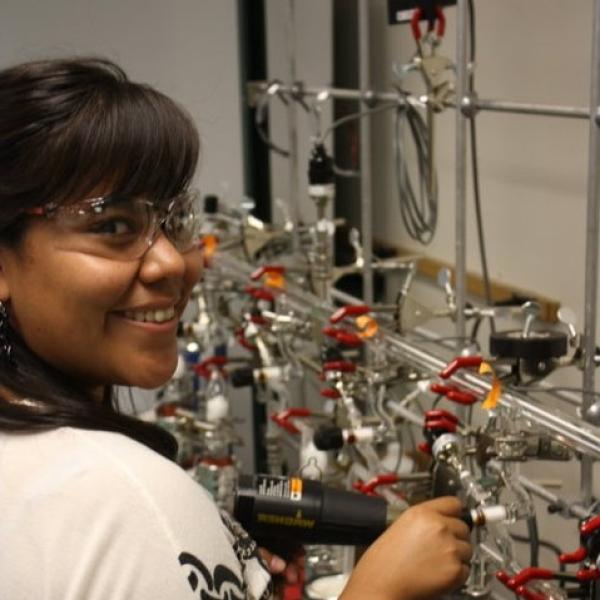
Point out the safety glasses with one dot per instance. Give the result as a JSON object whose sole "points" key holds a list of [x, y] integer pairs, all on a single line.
{"points": [[124, 228]]}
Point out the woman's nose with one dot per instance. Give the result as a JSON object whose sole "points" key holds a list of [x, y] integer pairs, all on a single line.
{"points": [[162, 261]]}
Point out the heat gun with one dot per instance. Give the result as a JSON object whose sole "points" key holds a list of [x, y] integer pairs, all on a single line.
{"points": [[311, 513]]}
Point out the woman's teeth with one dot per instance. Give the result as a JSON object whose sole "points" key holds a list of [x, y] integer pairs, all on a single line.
{"points": [[151, 316]]}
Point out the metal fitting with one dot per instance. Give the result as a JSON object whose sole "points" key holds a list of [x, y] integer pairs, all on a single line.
{"points": [[469, 105]]}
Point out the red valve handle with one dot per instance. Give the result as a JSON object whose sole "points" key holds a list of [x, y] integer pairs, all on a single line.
{"points": [[418, 15], [259, 293], [242, 341], [347, 338], [424, 447], [503, 577], [454, 394], [330, 393], [440, 414], [256, 275], [205, 367], [258, 320], [351, 310], [370, 486], [528, 574], [345, 366], [464, 398], [439, 388], [573, 557], [588, 574], [441, 425], [590, 526], [460, 362], [529, 594], [282, 418], [586, 529]]}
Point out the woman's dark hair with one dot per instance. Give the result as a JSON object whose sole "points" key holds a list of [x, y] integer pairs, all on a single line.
{"points": [[67, 127]]}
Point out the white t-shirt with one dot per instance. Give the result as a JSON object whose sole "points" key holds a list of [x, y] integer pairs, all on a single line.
{"points": [[92, 515]]}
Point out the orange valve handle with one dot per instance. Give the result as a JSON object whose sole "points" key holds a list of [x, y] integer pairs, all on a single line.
{"points": [[460, 362], [439, 18], [267, 269], [351, 310]]}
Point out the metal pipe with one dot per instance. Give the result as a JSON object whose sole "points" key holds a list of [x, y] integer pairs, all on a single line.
{"points": [[460, 241], [591, 247], [292, 120], [366, 211], [479, 104], [541, 492], [572, 112]]}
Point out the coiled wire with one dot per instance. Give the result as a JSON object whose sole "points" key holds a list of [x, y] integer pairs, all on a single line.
{"points": [[419, 213]]}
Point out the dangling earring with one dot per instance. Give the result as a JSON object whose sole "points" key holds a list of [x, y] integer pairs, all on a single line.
{"points": [[5, 345]]}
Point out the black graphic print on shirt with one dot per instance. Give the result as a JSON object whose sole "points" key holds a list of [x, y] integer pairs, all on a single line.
{"points": [[246, 550], [223, 584]]}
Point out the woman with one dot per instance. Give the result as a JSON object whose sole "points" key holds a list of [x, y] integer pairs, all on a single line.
{"points": [[97, 260]]}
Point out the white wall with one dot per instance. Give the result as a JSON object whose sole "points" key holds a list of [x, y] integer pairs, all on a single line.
{"points": [[186, 48]]}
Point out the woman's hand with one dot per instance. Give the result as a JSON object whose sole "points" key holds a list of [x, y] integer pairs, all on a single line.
{"points": [[290, 571], [425, 553]]}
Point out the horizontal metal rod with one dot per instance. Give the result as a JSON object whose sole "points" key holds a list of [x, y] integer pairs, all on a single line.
{"points": [[571, 112], [541, 492], [481, 104], [574, 510]]}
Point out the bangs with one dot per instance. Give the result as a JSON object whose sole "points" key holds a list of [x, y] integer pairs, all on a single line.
{"points": [[129, 139]]}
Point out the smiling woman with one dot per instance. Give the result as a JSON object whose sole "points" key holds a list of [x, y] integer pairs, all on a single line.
{"points": [[98, 255]]}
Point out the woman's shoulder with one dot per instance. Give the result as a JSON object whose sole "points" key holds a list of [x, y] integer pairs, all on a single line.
{"points": [[70, 458], [82, 498]]}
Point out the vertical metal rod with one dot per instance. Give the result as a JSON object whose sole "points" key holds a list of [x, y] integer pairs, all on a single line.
{"points": [[591, 248], [460, 242], [366, 187], [292, 117]]}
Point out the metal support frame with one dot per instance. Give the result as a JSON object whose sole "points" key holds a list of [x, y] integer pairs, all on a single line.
{"points": [[460, 199], [366, 187], [591, 248], [476, 104], [292, 120]]}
